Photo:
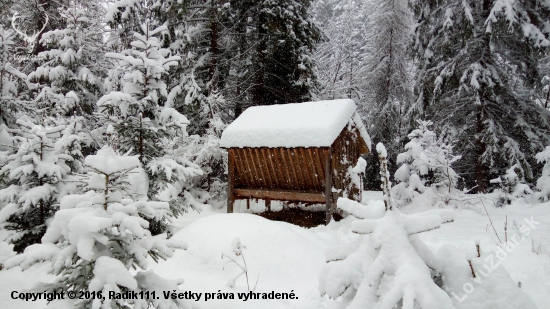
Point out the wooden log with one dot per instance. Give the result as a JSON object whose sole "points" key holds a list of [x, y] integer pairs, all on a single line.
{"points": [[282, 195], [328, 184], [268, 204], [230, 181]]}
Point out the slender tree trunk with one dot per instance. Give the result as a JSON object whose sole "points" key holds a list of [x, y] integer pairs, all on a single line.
{"points": [[214, 49], [141, 138], [480, 169], [258, 96], [42, 215]]}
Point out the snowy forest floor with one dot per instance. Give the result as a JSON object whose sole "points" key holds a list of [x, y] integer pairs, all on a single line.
{"points": [[283, 257]]}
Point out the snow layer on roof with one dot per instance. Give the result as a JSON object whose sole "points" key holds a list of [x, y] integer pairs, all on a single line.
{"points": [[309, 124]]}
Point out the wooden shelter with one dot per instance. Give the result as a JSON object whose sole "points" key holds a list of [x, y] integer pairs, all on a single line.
{"points": [[302, 152]]}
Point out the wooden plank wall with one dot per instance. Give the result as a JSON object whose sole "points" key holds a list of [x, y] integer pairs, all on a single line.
{"points": [[279, 168]]}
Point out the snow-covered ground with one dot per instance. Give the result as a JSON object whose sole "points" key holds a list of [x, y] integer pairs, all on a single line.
{"points": [[284, 258]]}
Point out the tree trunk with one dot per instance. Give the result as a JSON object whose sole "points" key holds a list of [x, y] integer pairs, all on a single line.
{"points": [[480, 169], [214, 48], [258, 95]]}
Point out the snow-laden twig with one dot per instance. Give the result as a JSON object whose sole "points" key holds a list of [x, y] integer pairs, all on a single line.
{"points": [[238, 248]]}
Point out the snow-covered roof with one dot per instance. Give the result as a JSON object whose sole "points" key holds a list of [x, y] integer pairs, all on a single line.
{"points": [[309, 124]]}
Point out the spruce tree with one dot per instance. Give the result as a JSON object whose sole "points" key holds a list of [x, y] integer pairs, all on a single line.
{"points": [[34, 177], [426, 162], [96, 239], [68, 80], [283, 64], [478, 76], [387, 77], [144, 125]]}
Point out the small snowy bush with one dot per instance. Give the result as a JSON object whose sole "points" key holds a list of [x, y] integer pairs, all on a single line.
{"points": [[425, 163], [96, 238], [512, 187], [543, 183]]}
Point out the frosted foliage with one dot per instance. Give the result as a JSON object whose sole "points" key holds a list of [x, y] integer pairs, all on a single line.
{"points": [[426, 162], [143, 66], [11, 80], [383, 268], [237, 246], [512, 186], [6, 252], [35, 175], [108, 162], [543, 183], [102, 233], [489, 96], [143, 123], [10, 73], [69, 77]]}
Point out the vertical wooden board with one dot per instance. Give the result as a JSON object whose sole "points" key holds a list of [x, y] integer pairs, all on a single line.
{"points": [[293, 169], [236, 176], [230, 191], [336, 156], [278, 171], [249, 165], [299, 166], [260, 167], [319, 159], [288, 169], [241, 169], [328, 185], [314, 172], [283, 164], [244, 172], [266, 155], [308, 170], [277, 168]]}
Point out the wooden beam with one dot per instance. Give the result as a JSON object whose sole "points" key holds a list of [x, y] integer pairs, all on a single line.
{"points": [[328, 184], [230, 181], [282, 195]]}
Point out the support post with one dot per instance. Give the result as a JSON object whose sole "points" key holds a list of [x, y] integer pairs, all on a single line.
{"points": [[230, 181], [268, 205], [328, 184]]}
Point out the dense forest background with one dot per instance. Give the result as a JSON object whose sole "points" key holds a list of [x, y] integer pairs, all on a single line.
{"points": [[160, 80]]}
